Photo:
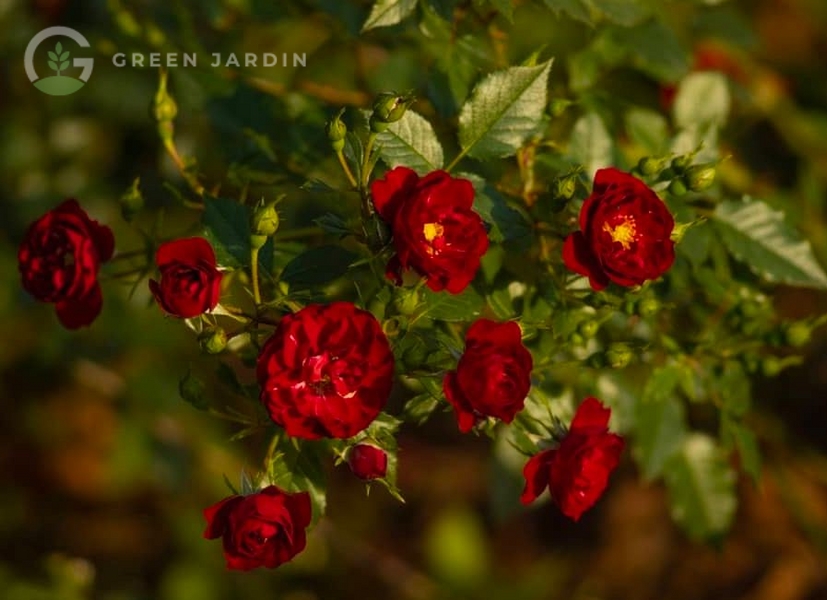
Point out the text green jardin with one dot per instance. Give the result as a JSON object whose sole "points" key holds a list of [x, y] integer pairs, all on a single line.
{"points": [[190, 59]]}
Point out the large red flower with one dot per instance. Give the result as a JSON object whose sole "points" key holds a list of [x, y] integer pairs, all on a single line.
{"points": [[190, 282], [493, 375], [59, 260], [577, 470], [435, 231], [624, 233], [264, 529], [326, 371]]}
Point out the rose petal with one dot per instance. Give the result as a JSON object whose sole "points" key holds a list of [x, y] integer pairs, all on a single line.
{"points": [[578, 257], [388, 192], [591, 414], [189, 251], [216, 516], [79, 312], [536, 474]]}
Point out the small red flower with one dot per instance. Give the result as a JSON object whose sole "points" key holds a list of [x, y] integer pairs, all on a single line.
{"points": [[190, 282], [435, 231], [367, 462], [265, 529], [326, 371], [59, 260], [624, 233], [493, 375], [577, 470]]}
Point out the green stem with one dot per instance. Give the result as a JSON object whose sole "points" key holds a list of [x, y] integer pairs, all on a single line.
{"points": [[254, 275], [340, 155], [366, 161]]}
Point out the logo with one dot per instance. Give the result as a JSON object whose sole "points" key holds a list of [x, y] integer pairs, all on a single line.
{"points": [[58, 84]]}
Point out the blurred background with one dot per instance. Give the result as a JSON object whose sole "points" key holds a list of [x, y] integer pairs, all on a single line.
{"points": [[105, 470]]}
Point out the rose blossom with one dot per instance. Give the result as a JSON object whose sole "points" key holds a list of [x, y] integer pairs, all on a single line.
{"points": [[264, 529], [326, 371], [624, 233], [493, 375], [59, 260], [435, 231], [190, 282], [577, 470]]}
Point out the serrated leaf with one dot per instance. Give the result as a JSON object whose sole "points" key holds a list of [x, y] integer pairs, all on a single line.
{"points": [[444, 306], [296, 466], [53, 65], [590, 144], [411, 142], [318, 266], [388, 12], [334, 224], [702, 99], [505, 109], [660, 429], [702, 487], [419, 409], [757, 235], [227, 228], [622, 12]]}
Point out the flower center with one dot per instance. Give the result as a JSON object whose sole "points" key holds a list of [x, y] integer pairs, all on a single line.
{"points": [[623, 233], [432, 231]]}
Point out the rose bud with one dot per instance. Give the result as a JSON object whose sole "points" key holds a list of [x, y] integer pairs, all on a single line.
{"points": [[389, 108], [624, 233], [699, 178], [336, 131], [264, 529], [576, 470], [132, 201], [266, 220], [435, 231], [59, 260], [213, 340], [367, 462], [493, 375], [326, 371], [190, 283]]}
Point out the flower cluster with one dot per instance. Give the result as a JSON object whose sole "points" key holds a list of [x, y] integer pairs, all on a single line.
{"points": [[326, 371]]}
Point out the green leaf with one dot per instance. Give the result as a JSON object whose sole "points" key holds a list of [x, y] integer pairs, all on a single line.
{"points": [[737, 435], [58, 47], [504, 7], [419, 409], [733, 386], [53, 65], [757, 235], [388, 12], [702, 99], [702, 486], [64, 56], [655, 49], [452, 307], [318, 266], [227, 228], [505, 108], [53, 56], [575, 9], [622, 12], [660, 430], [508, 224], [296, 466], [648, 129], [411, 142], [334, 224], [64, 65], [662, 383], [591, 145]]}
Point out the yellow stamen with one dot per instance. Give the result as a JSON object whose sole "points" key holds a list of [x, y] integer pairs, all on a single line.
{"points": [[623, 233], [432, 231]]}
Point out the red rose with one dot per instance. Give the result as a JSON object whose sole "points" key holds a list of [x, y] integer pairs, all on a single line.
{"points": [[264, 529], [326, 371], [367, 462], [190, 284], [59, 260], [435, 232], [577, 470], [624, 233], [493, 375]]}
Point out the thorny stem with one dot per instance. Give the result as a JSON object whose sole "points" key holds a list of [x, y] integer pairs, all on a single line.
{"points": [[340, 155], [254, 275]]}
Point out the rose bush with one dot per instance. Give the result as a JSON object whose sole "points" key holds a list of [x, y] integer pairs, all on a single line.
{"points": [[326, 371], [262, 529], [576, 469], [493, 376], [435, 231], [190, 283], [624, 233], [59, 260]]}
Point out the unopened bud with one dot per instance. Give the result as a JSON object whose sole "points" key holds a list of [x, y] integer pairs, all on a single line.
{"points": [[558, 106], [213, 340], [681, 163], [132, 201], [389, 108], [677, 187], [798, 334], [336, 131], [265, 220], [649, 165], [564, 187], [619, 355], [699, 178], [648, 307], [367, 461], [164, 108], [192, 389], [588, 329]]}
